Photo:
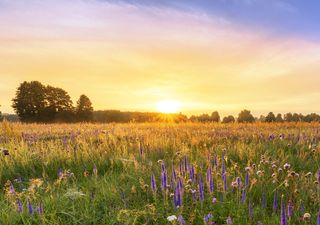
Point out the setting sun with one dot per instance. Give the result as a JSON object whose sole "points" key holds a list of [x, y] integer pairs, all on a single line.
{"points": [[168, 106]]}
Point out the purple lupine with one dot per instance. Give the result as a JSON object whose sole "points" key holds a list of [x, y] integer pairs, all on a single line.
{"points": [[180, 168], [283, 213], [244, 195], [264, 201], [192, 173], [318, 176], [301, 208], [40, 209], [211, 185], [215, 163], [185, 164], [290, 209], [163, 168], [318, 220], [224, 178], [171, 183], [20, 207], [247, 178], [30, 208], [181, 220], [153, 184], [174, 173], [250, 211], [275, 201], [207, 218], [201, 190], [194, 197], [223, 167], [177, 198], [164, 180], [238, 182]]}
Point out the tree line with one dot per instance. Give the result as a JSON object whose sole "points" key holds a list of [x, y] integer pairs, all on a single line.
{"points": [[35, 102]]}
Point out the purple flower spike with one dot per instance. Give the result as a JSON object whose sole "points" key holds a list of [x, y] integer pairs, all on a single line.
{"points": [[238, 182], [290, 209], [224, 177], [201, 190], [30, 208], [244, 196], [20, 207], [275, 201], [247, 179], [181, 220], [318, 220], [153, 184], [283, 213]]}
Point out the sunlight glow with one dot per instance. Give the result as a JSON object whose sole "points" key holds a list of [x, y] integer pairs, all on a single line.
{"points": [[168, 106]]}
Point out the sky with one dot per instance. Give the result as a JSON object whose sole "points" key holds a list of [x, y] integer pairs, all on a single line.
{"points": [[209, 55]]}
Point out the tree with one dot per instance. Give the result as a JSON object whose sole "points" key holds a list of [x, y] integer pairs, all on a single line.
{"points": [[1, 118], [84, 109], [215, 117], [288, 117], [270, 117], [228, 119], [29, 103], [245, 116], [59, 105], [279, 118]]}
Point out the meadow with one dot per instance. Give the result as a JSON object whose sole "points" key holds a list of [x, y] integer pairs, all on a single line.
{"points": [[160, 173]]}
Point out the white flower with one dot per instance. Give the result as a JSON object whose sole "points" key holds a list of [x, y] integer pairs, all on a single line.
{"points": [[171, 218]]}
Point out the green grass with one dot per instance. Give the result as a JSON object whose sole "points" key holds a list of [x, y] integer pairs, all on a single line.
{"points": [[120, 192]]}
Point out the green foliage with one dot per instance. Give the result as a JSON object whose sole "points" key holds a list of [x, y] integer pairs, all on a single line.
{"points": [[270, 117], [228, 119], [100, 174], [245, 116], [84, 109]]}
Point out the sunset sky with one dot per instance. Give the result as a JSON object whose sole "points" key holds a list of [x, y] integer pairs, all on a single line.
{"points": [[208, 55]]}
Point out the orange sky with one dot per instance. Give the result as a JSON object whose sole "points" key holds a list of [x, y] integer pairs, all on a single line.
{"points": [[131, 57]]}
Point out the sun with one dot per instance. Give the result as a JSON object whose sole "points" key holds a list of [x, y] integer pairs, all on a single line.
{"points": [[168, 106]]}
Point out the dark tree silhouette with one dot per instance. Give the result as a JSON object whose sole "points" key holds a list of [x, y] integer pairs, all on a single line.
{"points": [[215, 117], [58, 105], [29, 103], [270, 117], [84, 109], [228, 119], [1, 118], [245, 116], [279, 118]]}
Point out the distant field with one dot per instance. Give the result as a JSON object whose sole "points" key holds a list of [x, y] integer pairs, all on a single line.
{"points": [[152, 173]]}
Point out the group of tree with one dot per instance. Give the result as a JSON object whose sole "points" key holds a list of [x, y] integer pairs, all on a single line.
{"points": [[116, 116], [290, 117], [214, 117], [35, 102], [1, 118]]}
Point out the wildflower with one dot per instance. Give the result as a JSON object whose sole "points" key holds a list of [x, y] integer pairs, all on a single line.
{"points": [[192, 173], [181, 220], [275, 201], [30, 208], [290, 207], [247, 178], [244, 195], [306, 217], [171, 218], [20, 207], [286, 166], [238, 180], [283, 213], [214, 200], [229, 220], [164, 180], [318, 220], [201, 190], [207, 218], [224, 178], [153, 184], [193, 192], [177, 198]]}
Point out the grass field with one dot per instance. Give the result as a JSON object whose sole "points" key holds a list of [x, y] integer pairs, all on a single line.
{"points": [[145, 173]]}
